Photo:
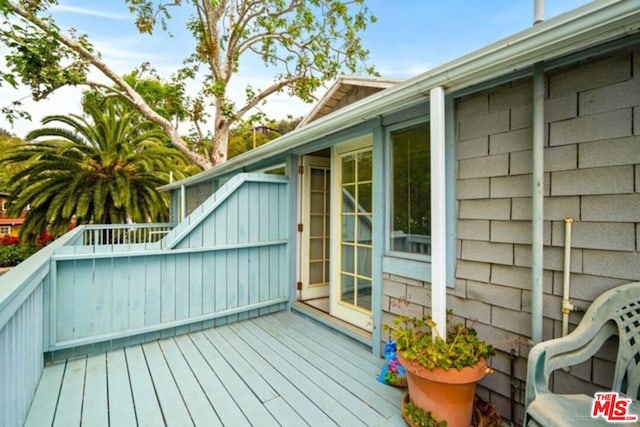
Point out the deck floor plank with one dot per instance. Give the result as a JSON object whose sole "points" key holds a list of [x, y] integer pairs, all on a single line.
{"points": [[199, 407], [280, 369], [239, 391], [223, 404], [284, 413], [321, 386], [95, 407], [344, 346], [148, 412], [282, 383], [244, 368], [171, 400], [358, 392], [43, 407], [69, 411], [121, 409], [351, 363]]}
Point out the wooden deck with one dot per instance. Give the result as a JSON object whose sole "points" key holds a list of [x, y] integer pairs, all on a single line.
{"points": [[282, 369]]}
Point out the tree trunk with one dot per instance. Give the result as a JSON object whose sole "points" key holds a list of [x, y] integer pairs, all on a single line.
{"points": [[220, 144]]}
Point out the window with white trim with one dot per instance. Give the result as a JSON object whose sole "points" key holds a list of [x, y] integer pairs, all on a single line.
{"points": [[5, 230], [410, 185]]}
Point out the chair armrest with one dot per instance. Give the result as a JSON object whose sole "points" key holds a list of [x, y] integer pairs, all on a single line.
{"points": [[548, 356]]}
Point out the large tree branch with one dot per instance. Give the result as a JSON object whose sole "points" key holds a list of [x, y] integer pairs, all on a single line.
{"points": [[134, 97], [265, 93], [236, 45], [209, 16]]}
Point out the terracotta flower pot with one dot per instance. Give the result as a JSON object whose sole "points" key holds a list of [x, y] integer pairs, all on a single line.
{"points": [[446, 393]]}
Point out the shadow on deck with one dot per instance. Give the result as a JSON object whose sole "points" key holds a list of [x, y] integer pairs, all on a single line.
{"points": [[282, 369]]}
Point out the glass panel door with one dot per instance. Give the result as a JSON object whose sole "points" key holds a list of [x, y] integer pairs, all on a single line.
{"points": [[315, 228], [352, 285]]}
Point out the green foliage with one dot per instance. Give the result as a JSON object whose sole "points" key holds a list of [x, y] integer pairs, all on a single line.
{"points": [[37, 58], [104, 170], [305, 43], [419, 417], [167, 98], [11, 255], [461, 348], [6, 142]]}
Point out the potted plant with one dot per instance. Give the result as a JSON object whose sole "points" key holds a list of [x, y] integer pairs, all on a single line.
{"points": [[442, 372]]}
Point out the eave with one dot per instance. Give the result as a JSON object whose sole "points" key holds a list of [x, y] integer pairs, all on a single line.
{"points": [[585, 27]]}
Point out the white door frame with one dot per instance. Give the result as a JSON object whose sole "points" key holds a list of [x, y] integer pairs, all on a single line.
{"points": [[310, 290], [349, 312]]}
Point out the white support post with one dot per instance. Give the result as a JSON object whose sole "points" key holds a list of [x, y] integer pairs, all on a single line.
{"points": [[438, 213], [183, 202]]}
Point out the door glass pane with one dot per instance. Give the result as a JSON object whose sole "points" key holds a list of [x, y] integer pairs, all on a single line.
{"points": [[347, 288], [364, 229], [317, 225], [364, 294], [315, 249], [365, 166], [348, 258], [348, 169], [317, 179], [317, 202], [316, 271], [364, 261], [364, 198], [349, 228], [348, 198]]}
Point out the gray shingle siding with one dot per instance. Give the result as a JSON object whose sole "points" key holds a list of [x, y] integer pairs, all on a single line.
{"points": [[592, 174]]}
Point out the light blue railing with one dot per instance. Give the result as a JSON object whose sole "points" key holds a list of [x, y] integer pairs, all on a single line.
{"points": [[121, 234], [228, 260], [23, 294]]}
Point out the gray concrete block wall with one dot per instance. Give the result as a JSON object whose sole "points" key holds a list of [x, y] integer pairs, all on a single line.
{"points": [[592, 174]]}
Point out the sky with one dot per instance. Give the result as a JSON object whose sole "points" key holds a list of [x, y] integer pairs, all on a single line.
{"points": [[409, 37]]}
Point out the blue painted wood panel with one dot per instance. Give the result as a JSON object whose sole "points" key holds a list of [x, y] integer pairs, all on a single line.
{"points": [[21, 359], [227, 257]]}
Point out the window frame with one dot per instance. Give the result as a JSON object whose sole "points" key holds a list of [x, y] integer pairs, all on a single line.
{"points": [[388, 179]]}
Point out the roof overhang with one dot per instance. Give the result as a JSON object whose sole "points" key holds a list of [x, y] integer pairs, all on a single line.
{"points": [[339, 90], [585, 27], [11, 221]]}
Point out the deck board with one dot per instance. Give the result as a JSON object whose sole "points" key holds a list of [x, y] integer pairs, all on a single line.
{"points": [[242, 395], [356, 389], [95, 408], [225, 408], [357, 363], [121, 409], [198, 404], [43, 407], [145, 401], [281, 369], [69, 411]]}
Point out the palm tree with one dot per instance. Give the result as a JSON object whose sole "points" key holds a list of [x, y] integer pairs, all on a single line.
{"points": [[102, 170]]}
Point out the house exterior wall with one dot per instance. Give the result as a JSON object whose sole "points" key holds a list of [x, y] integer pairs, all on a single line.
{"points": [[8, 225], [197, 194], [591, 174]]}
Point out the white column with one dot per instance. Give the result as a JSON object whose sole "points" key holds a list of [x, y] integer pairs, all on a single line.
{"points": [[183, 202], [438, 213]]}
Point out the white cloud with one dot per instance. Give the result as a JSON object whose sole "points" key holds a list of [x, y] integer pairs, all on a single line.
{"points": [[61, 8]]}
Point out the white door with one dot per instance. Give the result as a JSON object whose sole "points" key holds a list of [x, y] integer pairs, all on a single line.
{"points": [[352, 220], [314, 264]]}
